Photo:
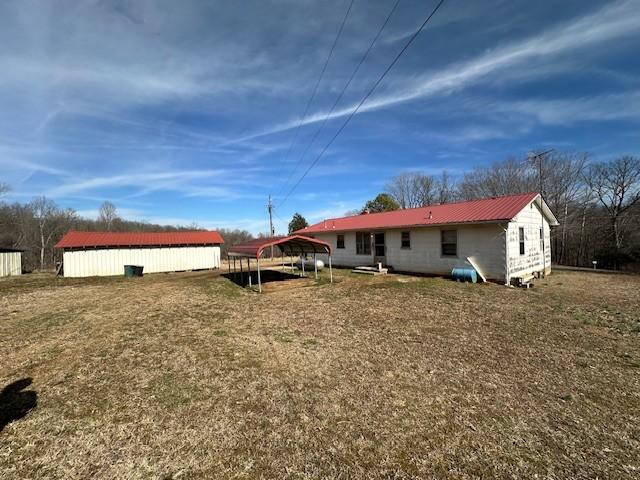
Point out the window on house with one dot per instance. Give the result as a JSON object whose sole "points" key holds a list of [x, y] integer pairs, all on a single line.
{"points": [[541, 239], [340, 242], [405, 240], [363, 243], [521, 238], [449, 242]]}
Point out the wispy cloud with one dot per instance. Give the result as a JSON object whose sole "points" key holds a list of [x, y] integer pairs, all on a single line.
{"points": [[573, 110], [611, 22], [182, 111], [147, 182]]}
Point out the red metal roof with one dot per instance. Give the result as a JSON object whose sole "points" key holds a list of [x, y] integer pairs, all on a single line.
{"points": [[475, 211], [293, 244], [75, 239]]}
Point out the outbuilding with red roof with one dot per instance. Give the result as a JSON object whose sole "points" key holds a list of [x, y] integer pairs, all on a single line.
{"points": [[501, 237], [87, 254]]}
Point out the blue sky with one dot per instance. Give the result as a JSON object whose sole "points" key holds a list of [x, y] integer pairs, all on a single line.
{"points": [[182, 112]]}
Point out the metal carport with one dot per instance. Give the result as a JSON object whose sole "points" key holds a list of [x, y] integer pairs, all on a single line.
{"points": [[290, 245]]}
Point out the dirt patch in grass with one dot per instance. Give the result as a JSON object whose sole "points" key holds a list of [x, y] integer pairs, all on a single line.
{"points": [[189, 375]]}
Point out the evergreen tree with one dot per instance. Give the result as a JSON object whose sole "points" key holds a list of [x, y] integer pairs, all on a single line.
{"points": [[297, 222]]}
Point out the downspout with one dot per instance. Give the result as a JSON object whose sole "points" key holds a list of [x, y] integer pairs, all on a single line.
{"points": [[507, 274], [544, 241]]}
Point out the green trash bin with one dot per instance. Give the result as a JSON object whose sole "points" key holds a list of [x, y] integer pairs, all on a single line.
{"points": [[133, 271]]}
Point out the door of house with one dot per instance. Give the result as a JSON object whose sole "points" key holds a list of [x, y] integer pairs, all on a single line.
{"points": [[379, 248]]}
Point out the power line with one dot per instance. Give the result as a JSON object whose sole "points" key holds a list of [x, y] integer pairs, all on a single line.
{"points": [[335, 104], [315, 89], [279, 217], [364, 99]]}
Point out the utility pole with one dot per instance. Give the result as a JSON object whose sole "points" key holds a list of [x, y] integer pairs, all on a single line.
{"points": [[271, 232], [540, 158]]}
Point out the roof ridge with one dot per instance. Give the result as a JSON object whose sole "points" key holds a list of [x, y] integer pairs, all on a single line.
{"points": [[488, 209], [436, 205]]}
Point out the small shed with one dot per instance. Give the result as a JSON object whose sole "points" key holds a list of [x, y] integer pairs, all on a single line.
{"points": [[10, 262], [86, 254], [290, 245]]}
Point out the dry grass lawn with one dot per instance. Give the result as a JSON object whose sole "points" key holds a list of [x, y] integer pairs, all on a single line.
{"points": [[189, 376]]}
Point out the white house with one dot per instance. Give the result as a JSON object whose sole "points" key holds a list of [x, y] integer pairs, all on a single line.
{"points": [[10, 262], [504, 237], [86, 254]]}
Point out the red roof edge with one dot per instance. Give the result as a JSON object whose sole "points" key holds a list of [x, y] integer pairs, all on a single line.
{"points": [[78, 239], [484, 210]]}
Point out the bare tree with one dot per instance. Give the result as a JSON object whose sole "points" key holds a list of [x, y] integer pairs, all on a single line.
{"points": [[43, 212], [108, 215], [616, 185], [412, 189], [50, 222], [445, 189], [399, 187], [565, 193], [577, 240], [4, 188]]}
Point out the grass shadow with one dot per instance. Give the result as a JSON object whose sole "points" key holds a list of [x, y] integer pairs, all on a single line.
{"points": [[266, 276]]}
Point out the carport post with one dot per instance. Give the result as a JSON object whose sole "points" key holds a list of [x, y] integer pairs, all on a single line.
{"points": [[259, 281], [330, 270], [315, 265], [282, 252], [302, 262], [241, 273], [249, 270]]}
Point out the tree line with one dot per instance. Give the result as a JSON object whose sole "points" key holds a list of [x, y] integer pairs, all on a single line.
{"points": [[38, 225], [596, 203]]}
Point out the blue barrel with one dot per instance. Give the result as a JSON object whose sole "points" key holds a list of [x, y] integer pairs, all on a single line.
{"points": [[463, 274]]}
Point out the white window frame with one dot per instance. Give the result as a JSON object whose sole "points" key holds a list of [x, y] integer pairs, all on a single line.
{"points": [[408, 247], [442, 244], [365, 243]]}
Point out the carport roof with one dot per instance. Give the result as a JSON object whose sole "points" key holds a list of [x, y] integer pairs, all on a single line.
{"points": [[293, 245]]}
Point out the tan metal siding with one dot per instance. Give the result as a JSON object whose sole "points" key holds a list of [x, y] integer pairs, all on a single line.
{"points": [[104, 262], [10, 264]]}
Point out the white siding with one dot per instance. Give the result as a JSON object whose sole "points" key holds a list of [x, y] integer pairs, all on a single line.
{"points": [[484, 242], [530, 218], [10, 263], [103, 262]]}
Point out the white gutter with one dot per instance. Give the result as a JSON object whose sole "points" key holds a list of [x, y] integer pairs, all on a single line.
{"points": [[507, 274]]}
